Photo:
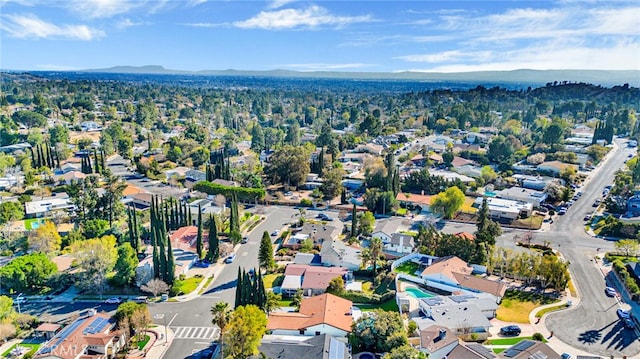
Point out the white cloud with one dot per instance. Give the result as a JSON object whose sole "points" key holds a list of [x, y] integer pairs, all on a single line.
{"points": [[103, 8], [30, 26], [555, 57], [313, 16], [127, 23], [204, 24], [276, 4]]}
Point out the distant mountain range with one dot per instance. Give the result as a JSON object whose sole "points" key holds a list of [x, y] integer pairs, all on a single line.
{"points": [[602, 77]]}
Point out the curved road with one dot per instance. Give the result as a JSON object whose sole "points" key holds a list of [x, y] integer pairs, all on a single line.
{"points": [[592, 326]]}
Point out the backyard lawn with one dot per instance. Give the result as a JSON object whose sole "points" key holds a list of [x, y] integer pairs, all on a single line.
{"points": [[389, 306], [271, 280], [408, 267], [516, 305]]}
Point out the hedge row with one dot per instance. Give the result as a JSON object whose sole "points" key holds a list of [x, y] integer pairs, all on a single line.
{"points": [[363, 298], [628, 280], [244, 194]]}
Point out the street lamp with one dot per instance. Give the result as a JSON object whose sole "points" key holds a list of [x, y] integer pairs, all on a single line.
{"points": [[18, 300], [164, 317]]}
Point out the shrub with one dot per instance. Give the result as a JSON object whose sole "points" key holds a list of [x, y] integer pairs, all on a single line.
{"points": [[306, 202], [537, 337]]}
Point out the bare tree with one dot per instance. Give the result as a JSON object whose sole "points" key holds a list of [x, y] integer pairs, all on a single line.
{"points": [[7, 331], [140, 320], [155, 287]]}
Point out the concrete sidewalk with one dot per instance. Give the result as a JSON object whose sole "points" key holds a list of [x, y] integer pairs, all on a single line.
{"points": [[162, 344]]}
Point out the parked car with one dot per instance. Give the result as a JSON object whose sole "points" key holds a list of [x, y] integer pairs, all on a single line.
{"points": [[201, 264], [288, 193], [113, 300], [566, 356], [562, 211], [510, 330], [587, 217], [275, 233], [610, 292], [230, 258], [141, 299], [244, 240], [622, 314]]}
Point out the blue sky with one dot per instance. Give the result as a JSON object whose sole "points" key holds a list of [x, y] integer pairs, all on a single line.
{"points": [[362, 36]]}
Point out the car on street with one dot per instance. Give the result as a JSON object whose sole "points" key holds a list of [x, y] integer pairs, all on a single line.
{"points": [[566, 356], [323, 216], [275, 233], [244, 240], [113, 300], [587, 217], [562, 211], [510, 330], [596, 203], [141, 299], [288, 193], [622, 314], [230, 258], [610, 292]]}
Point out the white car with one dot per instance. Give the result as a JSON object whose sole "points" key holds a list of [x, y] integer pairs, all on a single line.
{"points": [[113, 300], [275, 233], [610, 292]]}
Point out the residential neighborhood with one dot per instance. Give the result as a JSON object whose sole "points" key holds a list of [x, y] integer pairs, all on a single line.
{"points": [[161, 228]]}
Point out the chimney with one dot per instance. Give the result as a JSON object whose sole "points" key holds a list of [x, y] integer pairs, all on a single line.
{"points": [[442, 333]]}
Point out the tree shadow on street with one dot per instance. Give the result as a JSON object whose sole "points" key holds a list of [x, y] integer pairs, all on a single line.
{"points": [[223, 286], [590, 336]]}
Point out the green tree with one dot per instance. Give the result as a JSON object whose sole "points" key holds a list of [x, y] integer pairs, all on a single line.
{"points": [[6, 308], [293, 134], [11, 211], [273, 302], [96, 257], [213, 252], [45, 238], [265, 253], [58, 134], [289, 165], [336, 286], [332, 182], [199, 243], [378, 333], [27, 273], [354, 221], [448, 202], [6, 161], [221, 314], [29, 118], [245, 330], [405, 352], [374, 251], [500, 149], [94, 228], [126, 265], [366, 223], [553, 134]]}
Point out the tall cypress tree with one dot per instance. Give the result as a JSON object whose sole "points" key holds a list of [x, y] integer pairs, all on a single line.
{"points": [[34, 164], [136, 235], [239, 289], [214, 250], [354, 220], [96, 162], [199, 238], [265, 253], [171, 264], [154, 240]]}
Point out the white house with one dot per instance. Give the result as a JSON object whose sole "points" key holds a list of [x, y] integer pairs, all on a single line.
{"points": [[505, 208], [399, 244], [47, 205], [335, 253], [536, 198], [385, 228]]}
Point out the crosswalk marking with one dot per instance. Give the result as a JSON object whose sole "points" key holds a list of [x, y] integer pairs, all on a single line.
{"points": [[209, 333]]}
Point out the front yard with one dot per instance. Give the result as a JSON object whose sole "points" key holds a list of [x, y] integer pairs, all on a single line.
{"points": [[516, 305], [408, 267]]}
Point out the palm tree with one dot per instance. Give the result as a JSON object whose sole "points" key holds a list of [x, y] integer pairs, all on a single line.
{"points": [[221, 316], [375, 249]]}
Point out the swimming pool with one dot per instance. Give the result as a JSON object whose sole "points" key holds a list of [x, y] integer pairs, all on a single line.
{"points": [[417, 293]]}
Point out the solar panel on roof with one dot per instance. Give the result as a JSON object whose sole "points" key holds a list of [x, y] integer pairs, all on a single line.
{"points": [[62, 335], [539, 355], [433, 301], [336, 349], [524, 345], [96, 326]]}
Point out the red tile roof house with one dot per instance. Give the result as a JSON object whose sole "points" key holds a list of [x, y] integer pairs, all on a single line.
{"points": [[88, 337], [322, 314], [313, 280], [185, 238]]}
